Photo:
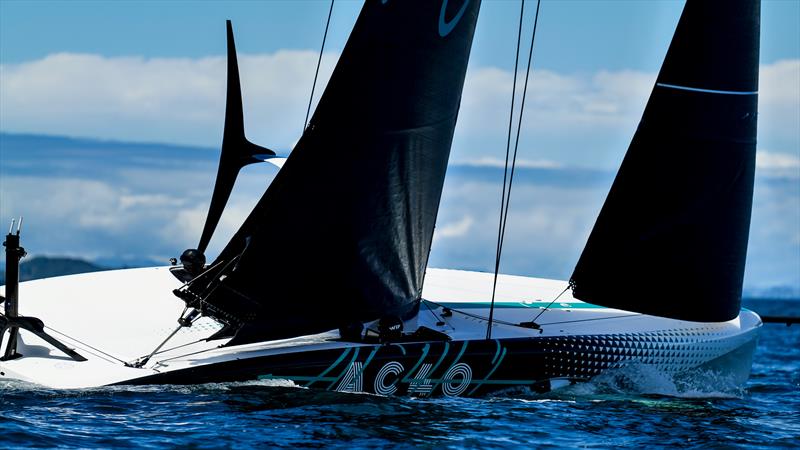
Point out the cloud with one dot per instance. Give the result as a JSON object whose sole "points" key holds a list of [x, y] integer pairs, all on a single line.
{"points": [[177, 100], [124, 215], [454, 229], [547, 226], [588, 119], [775, 164], [121, 213], [769, 160], [779, 105], [488, 161], [583, 118], [773, 253], [555, 101], [570, 119], [550, 220]]}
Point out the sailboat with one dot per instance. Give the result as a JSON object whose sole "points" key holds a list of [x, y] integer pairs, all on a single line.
{"points": [[325, 284]]}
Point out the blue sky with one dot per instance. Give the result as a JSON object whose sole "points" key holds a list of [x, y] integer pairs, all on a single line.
{"points": [[575, 35], [605, 54], [148, 71]]}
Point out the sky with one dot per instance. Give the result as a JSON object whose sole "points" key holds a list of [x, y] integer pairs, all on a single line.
{"points": [[154, 71], [145, 71]]}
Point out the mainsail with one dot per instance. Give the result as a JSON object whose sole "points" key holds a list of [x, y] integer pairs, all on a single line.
{"points": [[343, 232], [671, 238]]}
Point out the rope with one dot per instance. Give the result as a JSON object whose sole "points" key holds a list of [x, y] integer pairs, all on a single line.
{"points": [[319, 62], [86, 345], [505, 175], [439, 320], [475, 316], [167, 350], [505, 198], [549, 304]]}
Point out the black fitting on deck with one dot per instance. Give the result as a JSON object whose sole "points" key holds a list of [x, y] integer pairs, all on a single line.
{"points": [[14, 253], [194, 261], [11, 320]]}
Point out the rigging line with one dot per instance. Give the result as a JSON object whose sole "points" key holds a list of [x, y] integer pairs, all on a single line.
{"points": [[476, 316], [187, 354], [158, 350], [519, 127], [319, 62], [549, 304], [594, 319], [439, 319], [503, 322], [504, 222], [86, 345], [505, 202], [141, 362], [167, 350], [505, 172], [508, 139]]}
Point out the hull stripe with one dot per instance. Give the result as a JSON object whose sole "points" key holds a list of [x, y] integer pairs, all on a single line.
{"points": [[366, 363], [321, 377], [425, 351], [460, 354], [345, 369], [497, 352], [491, 372], [438, 363]]}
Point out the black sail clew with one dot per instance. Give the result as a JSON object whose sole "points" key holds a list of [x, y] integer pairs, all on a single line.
{"points": [[671, 238], [343, 232]]}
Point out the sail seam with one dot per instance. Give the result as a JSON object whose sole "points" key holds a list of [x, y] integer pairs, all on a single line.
{"points": [[709, 91]]}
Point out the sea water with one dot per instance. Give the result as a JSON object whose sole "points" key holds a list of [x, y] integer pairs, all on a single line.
{"points": [[635, 407]]}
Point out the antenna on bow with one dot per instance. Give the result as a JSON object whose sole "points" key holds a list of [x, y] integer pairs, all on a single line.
{"points": [[11, 320]]}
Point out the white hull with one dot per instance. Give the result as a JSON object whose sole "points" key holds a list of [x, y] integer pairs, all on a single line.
{"points": [[116, 317]]}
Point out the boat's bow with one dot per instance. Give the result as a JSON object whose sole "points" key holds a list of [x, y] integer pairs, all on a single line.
{"points": [[111, 318]]}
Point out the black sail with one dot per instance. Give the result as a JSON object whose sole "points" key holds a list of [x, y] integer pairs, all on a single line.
{"points": [[237, 151], [343, 232], [671, 238]]}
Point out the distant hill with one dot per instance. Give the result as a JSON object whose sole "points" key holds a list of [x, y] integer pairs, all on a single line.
{"points": [[45, 267]]}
